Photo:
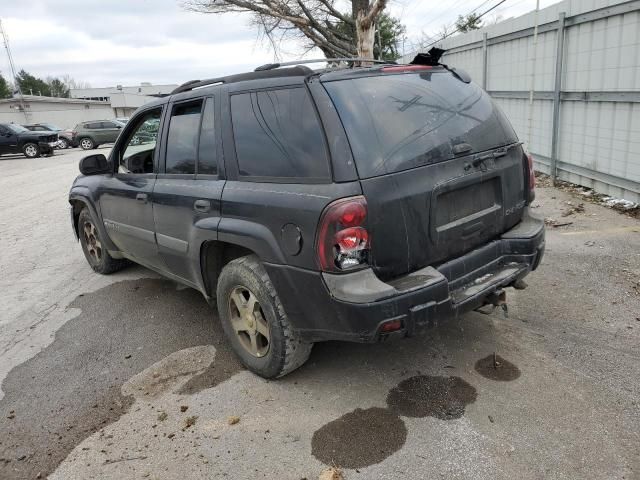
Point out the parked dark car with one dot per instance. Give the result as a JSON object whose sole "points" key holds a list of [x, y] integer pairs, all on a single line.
{"points": [[92, 134], [15, 138], [351, 204], [65, 137]]}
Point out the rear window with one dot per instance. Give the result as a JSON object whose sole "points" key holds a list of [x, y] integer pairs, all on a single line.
{"points": [[278, 135], [398, 122]]}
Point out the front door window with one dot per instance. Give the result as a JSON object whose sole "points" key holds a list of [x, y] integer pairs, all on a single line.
{"points": [[137, 153]]}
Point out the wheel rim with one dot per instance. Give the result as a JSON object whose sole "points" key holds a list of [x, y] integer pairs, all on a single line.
{"points": [[248, 322], [62, 144], [93, 245], [30, 150], [86, 143]]}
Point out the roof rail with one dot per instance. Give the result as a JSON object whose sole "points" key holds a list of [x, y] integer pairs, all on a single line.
{"points": [[191, 84], [272, 66], [267, 73]]}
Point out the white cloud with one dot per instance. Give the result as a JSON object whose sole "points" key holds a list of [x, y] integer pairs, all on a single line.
{"points": [[131, 41]]}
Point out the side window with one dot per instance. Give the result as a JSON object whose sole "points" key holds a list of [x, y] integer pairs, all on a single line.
{"points": [[277, 134], [93, 126], [207, 159], [137, 152], [107, 125], [182, 140]]}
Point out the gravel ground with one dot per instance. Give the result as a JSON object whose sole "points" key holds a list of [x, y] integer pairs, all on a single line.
{"points": [[128, 376]]}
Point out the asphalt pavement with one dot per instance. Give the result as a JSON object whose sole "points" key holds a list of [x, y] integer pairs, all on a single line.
{"points": [[129, 375]]}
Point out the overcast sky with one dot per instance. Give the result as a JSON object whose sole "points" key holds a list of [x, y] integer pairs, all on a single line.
{"points": [[131, 41]]}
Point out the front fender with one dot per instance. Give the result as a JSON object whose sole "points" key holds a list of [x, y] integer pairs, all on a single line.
{"points": [[79, 197]]}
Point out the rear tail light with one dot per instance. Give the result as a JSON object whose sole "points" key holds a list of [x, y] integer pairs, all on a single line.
{"points": [[343, 241], [532, 173], [531, 178]]}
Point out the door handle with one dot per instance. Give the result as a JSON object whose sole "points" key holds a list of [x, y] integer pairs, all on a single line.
{"points": [[202, 206], [142, 197]]}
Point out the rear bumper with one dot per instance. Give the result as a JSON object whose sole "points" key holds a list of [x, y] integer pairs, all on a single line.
{"points": [[353, 306]]}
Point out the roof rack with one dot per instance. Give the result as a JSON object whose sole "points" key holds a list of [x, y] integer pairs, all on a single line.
{"points": [[272, 66], [296, 71]]}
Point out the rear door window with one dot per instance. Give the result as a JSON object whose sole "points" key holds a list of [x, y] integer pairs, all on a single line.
{"points": [[398, 122], [278, 136], [207, 159], [182, 140]]}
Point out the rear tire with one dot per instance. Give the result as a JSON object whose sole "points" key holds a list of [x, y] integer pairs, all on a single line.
{"points": [[254, 320], [87, 144], [93, 246], [31, 150]]}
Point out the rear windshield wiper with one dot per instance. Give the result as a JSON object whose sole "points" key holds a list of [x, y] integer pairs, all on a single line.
{"points": [[497, 153]]}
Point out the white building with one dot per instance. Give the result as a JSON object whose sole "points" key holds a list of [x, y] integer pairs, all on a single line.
{"points": [[85, 104], [62, 112], [124, 100]]}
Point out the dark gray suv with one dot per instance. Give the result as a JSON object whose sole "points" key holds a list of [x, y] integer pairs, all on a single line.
{"points": [[353, 204]]}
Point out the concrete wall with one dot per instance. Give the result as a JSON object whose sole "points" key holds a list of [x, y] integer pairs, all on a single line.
{"points": [[596, 92], [60, 113]]}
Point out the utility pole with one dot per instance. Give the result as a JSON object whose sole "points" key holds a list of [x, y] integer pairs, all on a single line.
{"points": [[5, 39]]}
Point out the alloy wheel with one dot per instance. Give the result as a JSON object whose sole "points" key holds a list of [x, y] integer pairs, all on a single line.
{"points": [[248, 321], [94, 247], [31, 151]]}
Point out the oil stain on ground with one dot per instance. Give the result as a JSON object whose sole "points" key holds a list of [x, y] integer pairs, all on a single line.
{"points": [[494, 367], [423, 395], [72, 388], [359, 438]]}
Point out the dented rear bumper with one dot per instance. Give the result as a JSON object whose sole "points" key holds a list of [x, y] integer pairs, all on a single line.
{"points": [[354, 306]]}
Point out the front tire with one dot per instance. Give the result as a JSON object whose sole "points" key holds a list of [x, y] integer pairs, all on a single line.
{"points": [[31, 150], [87, 144], [63, 144], [93, 246], [254, 320]]}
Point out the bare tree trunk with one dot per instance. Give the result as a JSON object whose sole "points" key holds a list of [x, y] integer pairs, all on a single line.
{"points": [[365, 34], [366, 14]]}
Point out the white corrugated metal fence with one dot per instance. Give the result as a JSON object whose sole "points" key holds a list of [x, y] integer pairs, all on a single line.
{"points": [[572, 92]]}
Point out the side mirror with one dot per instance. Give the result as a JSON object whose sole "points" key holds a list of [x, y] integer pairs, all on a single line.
{"points": [[118, 127], [96, 164]]}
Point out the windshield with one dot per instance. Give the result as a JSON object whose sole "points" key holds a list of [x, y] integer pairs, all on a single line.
{"points": [[51, 127], [17, 128], [397, 122]]}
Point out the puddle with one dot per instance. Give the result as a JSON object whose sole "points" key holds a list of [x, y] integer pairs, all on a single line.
{"points": [[73, 387], [497, 368], [359, 438], [431, 396]]}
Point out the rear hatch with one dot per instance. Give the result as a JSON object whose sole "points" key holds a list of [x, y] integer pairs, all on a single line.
{"points": [[439, 165]]}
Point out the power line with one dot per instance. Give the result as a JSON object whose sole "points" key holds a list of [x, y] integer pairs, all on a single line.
{"points": [[446, 12], [458, 29]]}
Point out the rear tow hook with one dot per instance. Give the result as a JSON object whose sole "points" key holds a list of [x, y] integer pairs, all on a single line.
{"points": [[495, 299]]}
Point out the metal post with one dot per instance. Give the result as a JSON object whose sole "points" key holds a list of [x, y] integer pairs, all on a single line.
{"points": [[484, 60], [556, 99]]}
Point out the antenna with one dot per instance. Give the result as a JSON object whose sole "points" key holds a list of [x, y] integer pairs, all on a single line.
{"points": [[5, 39]]}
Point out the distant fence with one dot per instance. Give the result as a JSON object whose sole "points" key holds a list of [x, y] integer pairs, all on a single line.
{"points": [[570, 86]]}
